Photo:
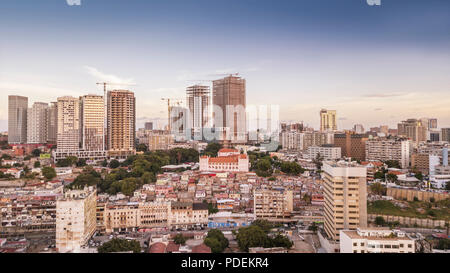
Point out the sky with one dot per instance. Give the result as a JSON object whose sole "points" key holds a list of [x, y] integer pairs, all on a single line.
{"points": [[375, 65]]}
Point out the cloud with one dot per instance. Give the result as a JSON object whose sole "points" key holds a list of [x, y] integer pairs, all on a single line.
{"points": [[94, 72], [384, 95]]}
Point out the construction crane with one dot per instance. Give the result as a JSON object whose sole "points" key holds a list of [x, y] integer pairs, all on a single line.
{"points": [[176, 101]]}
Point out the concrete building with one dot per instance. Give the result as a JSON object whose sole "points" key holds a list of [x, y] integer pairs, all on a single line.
{"points": [[92, 127], [52, 123], [384, 149], [179, 123], [441, 175], [148, 126], [292, 140], [121, 123], [358, 129], [68, 133], [229, 104], [186, 214], [445, 136], [328, 121], [228, 160], [352, 145], [375, 240], [273, 203], [328, 152], [414, 129], [17, 119], [75, 219], [37, 123], [198, 101], [155, 139], [345, 193]]}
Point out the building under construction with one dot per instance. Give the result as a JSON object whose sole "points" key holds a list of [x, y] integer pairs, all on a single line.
{"points": [[198, 101]]}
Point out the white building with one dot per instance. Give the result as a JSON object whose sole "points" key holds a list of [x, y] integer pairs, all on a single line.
{"points": [[228, 160], [68, 133], [75, 219], [389, 149], [328, 152], [375, 240]]}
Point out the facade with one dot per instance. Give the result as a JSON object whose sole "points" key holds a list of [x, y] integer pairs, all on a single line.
{"points": [[37, 123], [185, 214], [198, 100], [228, 160], [148, 126], [345, 194], [445, 136], [441, 174], [228, 93], [328, 120], [68, 133], [76, 220], [273, 203], [375, 240], [389, 149], [155, 140], [52, 123], [17, 119], [414, 129], [93, 127], [328, 152], [121, 123], [352, 145], [292, 140], [317, 139]]}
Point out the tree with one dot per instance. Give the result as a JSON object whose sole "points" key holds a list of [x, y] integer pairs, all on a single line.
{"points": [[447, 186], [48, 173], [37, 164], [252, 236], [379, 221], [142, 148], [318, 161], [393, 164], [104, 163], [179, 239], [282, 241], [378, 189], [120, 245], [419, 176], [212, 149], [36, 152], [392, 177], [81, 162], [216, 241], [114, 164], [265, 225], [380, 175], [313, 227]]}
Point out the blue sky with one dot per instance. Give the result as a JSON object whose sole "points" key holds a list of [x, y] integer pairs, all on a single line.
{"points": [[373, 64]]}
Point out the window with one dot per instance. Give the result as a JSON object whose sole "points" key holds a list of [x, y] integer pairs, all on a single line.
{"points": [[355, 244]]}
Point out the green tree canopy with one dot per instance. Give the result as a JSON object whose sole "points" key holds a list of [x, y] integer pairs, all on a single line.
{"points": [[120, 245], [48, 173]]}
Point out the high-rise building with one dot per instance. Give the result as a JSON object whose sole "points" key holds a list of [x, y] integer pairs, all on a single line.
{"points": [[121, 123], [358, 128], [17, 119], [92, 123], [328, 120], [414, 129], [384, 149], [92, 127], [68, 133], [445, 136], [52, 123], [198, 100], [345, 195], [229, 95], [179, 117], [76, 219], [352, 145], [37, 123], [148, 126]]}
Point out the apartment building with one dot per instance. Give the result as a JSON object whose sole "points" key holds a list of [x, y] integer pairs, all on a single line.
{"points": [[17, 119], [52, 123], [121, 123], [328, 121], [327, 152], [155, 139], [352, 145], [414, 129], [345, 194], [445, 134], [37, 123], [76, 219], [93, 126], [185, 214], [292, 140], [198, 101], [375, 240], [384, 149], [68, 133], [273, 203]]}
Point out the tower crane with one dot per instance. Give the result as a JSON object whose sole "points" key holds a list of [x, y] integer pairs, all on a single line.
{"points": [[176, 101]]}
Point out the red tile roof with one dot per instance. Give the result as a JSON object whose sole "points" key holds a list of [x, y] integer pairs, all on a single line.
{"points": [[157, 248], [225, 150], [201, 249]]}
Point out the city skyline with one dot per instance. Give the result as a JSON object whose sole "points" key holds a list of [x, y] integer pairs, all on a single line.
{"points": [[312, 56]]}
